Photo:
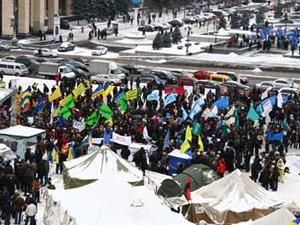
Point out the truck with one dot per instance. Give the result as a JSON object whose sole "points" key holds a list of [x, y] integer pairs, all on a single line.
{"points": [[50, 70], [107, 68]]}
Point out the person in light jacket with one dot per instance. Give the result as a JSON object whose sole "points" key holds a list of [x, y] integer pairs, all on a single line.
{"points": [[30, 212]]}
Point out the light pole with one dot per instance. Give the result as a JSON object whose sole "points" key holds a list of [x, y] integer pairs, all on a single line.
{"points": [[13, 20]]}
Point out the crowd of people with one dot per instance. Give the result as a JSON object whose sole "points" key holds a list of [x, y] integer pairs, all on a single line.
{"points": [[147, 114]]}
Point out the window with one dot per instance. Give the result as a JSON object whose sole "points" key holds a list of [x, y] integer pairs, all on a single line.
{"points": [[10, 66], [18, 67], [3, 66]]}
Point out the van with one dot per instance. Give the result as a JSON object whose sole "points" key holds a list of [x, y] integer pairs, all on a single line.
{"points": [[12, 68], [219, 78]]}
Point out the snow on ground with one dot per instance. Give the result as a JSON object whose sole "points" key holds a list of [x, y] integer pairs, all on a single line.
{"points": [[24, 82], [85, 52]]}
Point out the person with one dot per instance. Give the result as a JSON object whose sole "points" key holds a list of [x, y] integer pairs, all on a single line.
{"points": [[210, 49], [255, 169], [82, 29], [30, 212], [50, 186], [36, 190], [18, 207], [281, 166], [274, 177], [99, 34], [221, 167]]}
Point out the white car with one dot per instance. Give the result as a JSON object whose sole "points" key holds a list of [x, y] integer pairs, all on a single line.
{"points": [[265, 85], [9, 58], [45, 52], [99, 50], [288, 91], [103, 78], [282, 82]]}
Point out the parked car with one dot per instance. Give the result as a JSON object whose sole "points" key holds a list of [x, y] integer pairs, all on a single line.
{"points": [[66, 46], [45, 52], [176, 23], [186, 80], [13, 68], [220, 78], [103, 78], [283, 82], [164, 75], [205, 84], [152, 79], [75, 63], [78, 72], [264, 85], [99, 50], [288, 91], [202, 75], [31, 63], [82, 60], [234, 85], [132, 69], [4, 47], [161, 26], [189, 20], [233, 76], [147, 28], [9, 58]]}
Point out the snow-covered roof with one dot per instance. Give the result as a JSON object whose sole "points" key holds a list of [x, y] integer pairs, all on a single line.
{"points": [[20, 132], [5, 94]]}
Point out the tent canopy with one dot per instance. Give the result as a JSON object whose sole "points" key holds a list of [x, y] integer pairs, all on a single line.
{"points": [[6, 153], [110, 201], [95, 165], [21, 132], [225, 200], [200, 175], [5, 94]]}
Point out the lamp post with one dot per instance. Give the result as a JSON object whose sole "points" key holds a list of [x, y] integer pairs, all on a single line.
{"points": [[13, 21]]}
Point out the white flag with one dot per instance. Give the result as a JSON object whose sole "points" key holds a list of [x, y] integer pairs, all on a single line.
{"points": [[51, 113], [264, 94], [279, 100]]}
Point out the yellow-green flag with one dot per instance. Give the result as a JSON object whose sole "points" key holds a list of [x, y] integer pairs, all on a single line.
{"points": [[200, 143], [188, 134], [79, 90], [185, 146], [132, 94]]}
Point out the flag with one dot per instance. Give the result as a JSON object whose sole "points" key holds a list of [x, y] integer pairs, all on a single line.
{"points": [[200, 143], [169, 90], [108, 90], [55, 95], [267, 108], [180, 90], [131, 94], [252, 114], [145, 134], [184, 114], [71, 151], [185, 146], [154, 96], [206, 113], [196, 128], [68, 102], [213, 112], [169, 99], [279, 100], [196, 107], [188, 134], [107, 136], [121, 95], [99, 90], [106, 112], [25, 98], [51, 113], [92, 120], [79, 90], [123, 104], [222, 103], [39, 106], [264, 94], [85, 140], [167, 140], [285, 124]]}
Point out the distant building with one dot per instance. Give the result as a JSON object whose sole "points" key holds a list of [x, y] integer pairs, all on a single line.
{"points": [[30, 15]]}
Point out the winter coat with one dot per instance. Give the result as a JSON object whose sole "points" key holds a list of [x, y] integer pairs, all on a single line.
{"points": [[280, 164], [36, 185], [19, 204]]}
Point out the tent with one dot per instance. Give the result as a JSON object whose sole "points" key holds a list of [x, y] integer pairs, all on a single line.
{"points": [[223, 32], [5, 94], [95, 165], [280, 217], [22, 135], [106, 202], [232, 199], [200, 175], [6, 153], [176, 158]]}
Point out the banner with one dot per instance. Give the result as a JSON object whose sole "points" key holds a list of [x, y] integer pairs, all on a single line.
{"points": [[56, 94], [169, 99], [132, 94], [80, 126], [120, 139], [154, 96], [79, 90], [267, 106]]}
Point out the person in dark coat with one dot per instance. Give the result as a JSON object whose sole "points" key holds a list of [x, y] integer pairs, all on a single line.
{"points": [[274, 174], [255, 169], [140, 160]]}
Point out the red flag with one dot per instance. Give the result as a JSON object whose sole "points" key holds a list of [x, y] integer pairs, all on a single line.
{"points": [[180, 90], [169, 90], [187, 189]]}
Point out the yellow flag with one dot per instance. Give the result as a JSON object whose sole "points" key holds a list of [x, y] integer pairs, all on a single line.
{"points": [[55, 156], [56, 94], [188, 134], [79, 90], [70, 155], [185, 146], [200, 143], [132, 94], [108, 90]]}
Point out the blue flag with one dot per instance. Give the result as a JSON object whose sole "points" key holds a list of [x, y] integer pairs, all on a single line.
{"points": [[154, 96], [121, 95], [167, 140], [274, 136], [39, 106], [107, 136], [169, 99], [222, 103], [196, 107], [252, 114]]}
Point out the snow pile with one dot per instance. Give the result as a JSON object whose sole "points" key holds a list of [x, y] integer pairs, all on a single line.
{"points": [[257, 70]]}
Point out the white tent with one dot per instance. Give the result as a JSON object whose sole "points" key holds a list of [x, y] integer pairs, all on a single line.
{"points": [[5, 94], [280, 217], [95, 165], [6, 153], [22, 135], [223, 32], [106, 202], [235, 198]]}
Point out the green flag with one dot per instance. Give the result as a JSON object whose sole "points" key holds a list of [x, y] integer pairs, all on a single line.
{"points": [[252, 114], [106, 112], [196, 128], [92, 120], [70, 102], [64, 112], [123, 104], [67, 115]]}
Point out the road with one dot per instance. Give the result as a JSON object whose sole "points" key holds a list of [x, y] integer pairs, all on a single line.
{"points": [[168, 65]]}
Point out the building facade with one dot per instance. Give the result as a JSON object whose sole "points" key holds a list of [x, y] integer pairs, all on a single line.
{"points": [[29, 16]]}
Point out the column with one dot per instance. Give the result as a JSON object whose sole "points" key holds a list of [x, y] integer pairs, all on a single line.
{"points": [[68, 7], [52, 11], [23, 17], [7, 14], [38, 14]]}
